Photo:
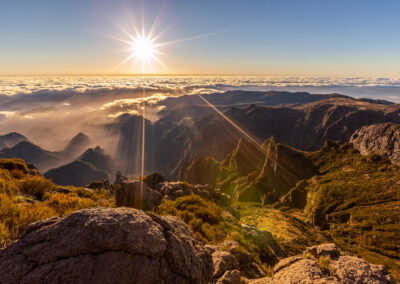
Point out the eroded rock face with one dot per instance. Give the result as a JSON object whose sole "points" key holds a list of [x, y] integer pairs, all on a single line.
{"points": [[173, 190], [382, 139], [223, 262], [338, 268], [154, 179], [106, 245]]}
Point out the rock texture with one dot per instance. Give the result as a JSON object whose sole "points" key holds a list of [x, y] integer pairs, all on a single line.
{"points": [[188, 127], [172, 190], [340, 268], [382, 139], [154, 179], [136, 194], [228, 256], [105, 245]]}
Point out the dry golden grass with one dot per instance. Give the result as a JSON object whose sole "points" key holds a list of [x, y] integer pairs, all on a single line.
{"points": [[26, 199]]}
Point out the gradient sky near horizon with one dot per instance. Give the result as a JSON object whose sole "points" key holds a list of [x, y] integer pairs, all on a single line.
{"points": [[257, 37]]}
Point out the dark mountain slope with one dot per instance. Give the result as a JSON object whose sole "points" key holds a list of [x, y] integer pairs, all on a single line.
{"points": [[76, 146], [232, 98], [98, 158], [77, 173], [32, 154], [306, 127], [11, 139], [176, 138]]}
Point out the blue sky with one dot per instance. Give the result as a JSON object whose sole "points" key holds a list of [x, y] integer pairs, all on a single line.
{"points": [[254, 37]]}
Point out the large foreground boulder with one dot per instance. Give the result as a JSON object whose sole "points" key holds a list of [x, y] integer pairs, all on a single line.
{"points": [[105, 245], [326, 264]]}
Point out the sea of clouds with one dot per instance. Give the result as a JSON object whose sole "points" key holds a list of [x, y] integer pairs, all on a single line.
{"points": [[49, 110]]}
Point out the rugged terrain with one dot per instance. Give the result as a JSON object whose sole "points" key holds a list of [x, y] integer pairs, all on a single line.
{"points": [[246, 207]]}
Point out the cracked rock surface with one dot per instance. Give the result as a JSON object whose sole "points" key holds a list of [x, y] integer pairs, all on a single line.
{"points": [[342, 269], [106, 245]]}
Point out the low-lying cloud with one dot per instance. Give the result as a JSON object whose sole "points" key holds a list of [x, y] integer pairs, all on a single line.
{"points": [[50, 110]]}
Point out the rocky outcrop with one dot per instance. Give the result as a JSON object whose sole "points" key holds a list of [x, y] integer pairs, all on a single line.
{"points": [[382, 139], [230, 277], [98, 185], [119, 178], [33, 171], [223, 262], [154, 179], [137, 194], [229, 256], [326, 264], [283, 168], [172, 190], [105, 245], [246, 158]]}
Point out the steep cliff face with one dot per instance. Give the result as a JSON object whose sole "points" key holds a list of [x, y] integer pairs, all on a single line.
{"points": [[382, 139], [251, 171], [283, 168], [190, 128], [304, 127], [201, 170]]}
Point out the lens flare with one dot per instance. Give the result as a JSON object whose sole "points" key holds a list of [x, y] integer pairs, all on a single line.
{"points": [[244, 133], [143, 49]]}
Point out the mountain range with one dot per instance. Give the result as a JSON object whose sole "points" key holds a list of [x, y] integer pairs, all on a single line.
{"points": [[188, 127], [264, 179]]}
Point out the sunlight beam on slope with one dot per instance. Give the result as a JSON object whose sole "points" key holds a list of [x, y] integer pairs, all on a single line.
{"points": [[233, 124]]}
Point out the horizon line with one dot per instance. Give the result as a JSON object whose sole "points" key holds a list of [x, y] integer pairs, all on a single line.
{"points": [[185, 75]]}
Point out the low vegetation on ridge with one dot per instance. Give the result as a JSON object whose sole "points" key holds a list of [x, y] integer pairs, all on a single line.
{"points": [[25, 199]]}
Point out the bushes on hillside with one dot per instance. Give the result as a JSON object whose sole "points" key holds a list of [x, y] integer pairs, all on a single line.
{"points": [[18, 209], [203, 217], [14, 164], [36, 186]]}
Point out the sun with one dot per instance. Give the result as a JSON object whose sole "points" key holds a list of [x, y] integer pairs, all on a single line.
{"points": [[145, 46], [143, 49]]}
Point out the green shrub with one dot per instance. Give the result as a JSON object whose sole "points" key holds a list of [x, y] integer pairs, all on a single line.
{"points": [[203, 217], [325, 263], [17, 174], [18, 199], [8, 187], [14, 164], [36, 186], [17, 212]]}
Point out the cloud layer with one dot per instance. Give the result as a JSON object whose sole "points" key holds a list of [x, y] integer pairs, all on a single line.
{"points": [[50, 110]]}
